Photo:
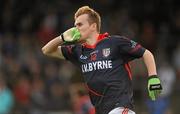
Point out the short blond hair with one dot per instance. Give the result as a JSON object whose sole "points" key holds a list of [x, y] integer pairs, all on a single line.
{"points": [[94, 17]]}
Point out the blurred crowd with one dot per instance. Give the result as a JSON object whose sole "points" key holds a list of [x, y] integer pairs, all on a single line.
{"points": [[31, 83]]}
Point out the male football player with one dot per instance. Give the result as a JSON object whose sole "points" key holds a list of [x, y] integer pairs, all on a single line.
{"points": [[103, 60]]}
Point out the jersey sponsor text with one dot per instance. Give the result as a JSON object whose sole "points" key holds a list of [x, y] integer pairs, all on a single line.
{"points": [[97, 65]]}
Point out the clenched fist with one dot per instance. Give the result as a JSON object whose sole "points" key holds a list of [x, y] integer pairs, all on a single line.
{"points": [[71, 35]]}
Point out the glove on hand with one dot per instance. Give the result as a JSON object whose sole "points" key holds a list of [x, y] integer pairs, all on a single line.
{"points": [[71, 35], [154, 87]]}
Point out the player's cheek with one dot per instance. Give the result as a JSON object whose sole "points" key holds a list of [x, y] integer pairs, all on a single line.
{"points": [[83, 34]]}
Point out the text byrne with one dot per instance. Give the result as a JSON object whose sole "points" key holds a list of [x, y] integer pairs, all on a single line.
{"points": [[97, 65]]}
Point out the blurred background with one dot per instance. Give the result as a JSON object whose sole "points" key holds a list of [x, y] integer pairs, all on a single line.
{"points": [[31, 83]]}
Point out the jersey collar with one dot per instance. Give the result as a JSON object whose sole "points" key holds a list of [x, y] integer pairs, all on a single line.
{"points": [[99, 38]]}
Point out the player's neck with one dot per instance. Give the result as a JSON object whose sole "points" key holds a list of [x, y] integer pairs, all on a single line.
{"points": [[92, 39]]}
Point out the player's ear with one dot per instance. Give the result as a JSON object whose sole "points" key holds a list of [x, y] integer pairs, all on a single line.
{"points": [[94, 26]]}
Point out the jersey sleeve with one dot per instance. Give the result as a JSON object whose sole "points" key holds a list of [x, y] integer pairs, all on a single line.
{"points": [[130, 49], [70, 53]]}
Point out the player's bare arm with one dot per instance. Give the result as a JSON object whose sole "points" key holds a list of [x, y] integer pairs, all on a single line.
{"points": [[149, 62], [53, 48], [154, 83]]}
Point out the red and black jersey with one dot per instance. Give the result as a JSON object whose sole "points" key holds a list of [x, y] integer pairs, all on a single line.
{"points": [[105, 70]]}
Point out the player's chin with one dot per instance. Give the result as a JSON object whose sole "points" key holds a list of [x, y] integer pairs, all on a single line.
{"points": [[81, 41]]}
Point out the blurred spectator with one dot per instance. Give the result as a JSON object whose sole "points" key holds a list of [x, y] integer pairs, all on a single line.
{"points": [[58, 99], [66, 72], [83, 104], [162, 104], [176, 60], [6, 97], [148, 36], [48, 27], [22, 91], [38, 97]]}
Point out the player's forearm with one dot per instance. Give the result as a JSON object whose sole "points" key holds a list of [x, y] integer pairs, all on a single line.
{"points": [[52, 45], [150, 63]]}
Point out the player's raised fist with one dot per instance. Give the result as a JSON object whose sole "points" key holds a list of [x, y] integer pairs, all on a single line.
{"points": [[71, 35]]}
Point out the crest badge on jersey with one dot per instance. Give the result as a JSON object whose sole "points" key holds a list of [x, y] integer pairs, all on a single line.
{"points": [[106, 52]]}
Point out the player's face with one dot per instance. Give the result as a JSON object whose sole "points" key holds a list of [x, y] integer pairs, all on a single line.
{"points": [[83, 26]]}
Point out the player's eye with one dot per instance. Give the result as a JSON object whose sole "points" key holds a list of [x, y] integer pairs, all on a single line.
{"points": [[78, 24]]}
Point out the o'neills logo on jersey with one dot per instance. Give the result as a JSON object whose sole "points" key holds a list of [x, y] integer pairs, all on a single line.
{"points": [[97, 65], [83, 57]]}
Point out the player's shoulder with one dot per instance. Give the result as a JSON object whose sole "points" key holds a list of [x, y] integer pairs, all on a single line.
{"points": [[118, 38]]}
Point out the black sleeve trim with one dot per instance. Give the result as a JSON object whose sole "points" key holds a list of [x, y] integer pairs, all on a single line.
{"points": [[153, 76], [62, 37]]}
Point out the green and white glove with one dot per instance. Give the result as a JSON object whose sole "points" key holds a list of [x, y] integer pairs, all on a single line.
{"points": [[71, 35], [154, 87]]}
